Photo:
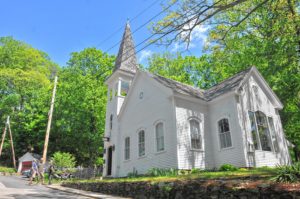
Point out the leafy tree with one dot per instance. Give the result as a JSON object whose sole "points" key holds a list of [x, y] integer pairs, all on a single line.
{"points": [[25, 76], [80, 106], [189, 69], [63, 160]]}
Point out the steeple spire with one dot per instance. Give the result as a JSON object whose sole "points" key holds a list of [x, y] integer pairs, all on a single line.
{"points": [[126, 59]]}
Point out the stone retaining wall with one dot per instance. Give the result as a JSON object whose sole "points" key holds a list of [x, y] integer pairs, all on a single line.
{"points": [[192, 189]]}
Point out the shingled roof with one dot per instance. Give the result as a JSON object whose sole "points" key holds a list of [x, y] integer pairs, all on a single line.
{"points": [[219, 89], [126, 59]]}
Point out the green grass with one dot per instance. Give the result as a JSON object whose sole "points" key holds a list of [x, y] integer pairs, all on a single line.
{"points": [[7, 170], [263, 172]]}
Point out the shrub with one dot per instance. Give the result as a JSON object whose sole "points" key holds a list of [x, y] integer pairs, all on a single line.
{"points": [[63, 160], [183, 172], [7, 170], [288, 173], [133, 174], [195, 170], [228, 167], [162, 172]]}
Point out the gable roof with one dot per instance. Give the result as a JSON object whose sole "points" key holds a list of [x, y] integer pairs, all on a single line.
{"points": [[179, 87], [228, 85], [219, 89]]}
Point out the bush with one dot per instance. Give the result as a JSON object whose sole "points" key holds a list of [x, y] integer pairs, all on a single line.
{"points": [[228, 167], [133, 174], [195, 170], [63, 160], [162, 172], [7, 170], [288, 174]]}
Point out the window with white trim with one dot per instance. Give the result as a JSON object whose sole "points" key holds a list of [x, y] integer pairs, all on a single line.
{"points": [[263, 131], [159, 132], [141, 143], [273, 134], [224, 133], [196, 141], [127, 148]]}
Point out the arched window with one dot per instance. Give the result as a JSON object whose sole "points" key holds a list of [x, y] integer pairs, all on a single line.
{"points": [[141, 143], [224, 133], [111, 121], [159, 132], [196, 141], [263, 131], [127, 148]]}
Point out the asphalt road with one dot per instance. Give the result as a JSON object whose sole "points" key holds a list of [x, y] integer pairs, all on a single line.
{"points": [[17, 187]]}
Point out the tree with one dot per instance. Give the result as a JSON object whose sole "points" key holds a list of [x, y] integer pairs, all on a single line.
{"points": [[189, 69], [25, 75], [80, 106], [180, 22], [63, 160]]}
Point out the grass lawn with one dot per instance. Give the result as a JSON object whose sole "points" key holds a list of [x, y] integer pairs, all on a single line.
{"points": [[263, 173]]}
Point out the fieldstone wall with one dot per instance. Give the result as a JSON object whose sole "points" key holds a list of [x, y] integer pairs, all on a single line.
{"points": [[193, 189]]}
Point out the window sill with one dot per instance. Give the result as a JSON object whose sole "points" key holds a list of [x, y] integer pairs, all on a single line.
{"points": [[259, 150], [160, 152], [197, 150], [226, 149]]}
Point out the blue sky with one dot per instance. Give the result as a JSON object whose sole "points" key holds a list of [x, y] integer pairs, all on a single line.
{"points": [[59, 27]]}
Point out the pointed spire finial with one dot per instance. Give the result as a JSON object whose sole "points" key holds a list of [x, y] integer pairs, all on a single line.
{"points": [[126, 59]]}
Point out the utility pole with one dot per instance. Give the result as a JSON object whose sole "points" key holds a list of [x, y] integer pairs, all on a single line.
{"points": [[3, 135], [49, 121], [11, 143]]}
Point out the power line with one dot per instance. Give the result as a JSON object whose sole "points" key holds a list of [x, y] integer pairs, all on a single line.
{"points": [[141, 26], [135, 17], [165, 34]]}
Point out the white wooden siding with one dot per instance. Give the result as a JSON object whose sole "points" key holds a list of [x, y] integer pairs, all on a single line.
{"points": [[226, 108], [156, 105], [187, 157], [252, 102]]}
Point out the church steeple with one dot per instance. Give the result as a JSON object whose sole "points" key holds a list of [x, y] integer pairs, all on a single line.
{"points": [[126, 59]]}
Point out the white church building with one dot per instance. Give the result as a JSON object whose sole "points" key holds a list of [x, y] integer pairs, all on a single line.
{"points": [[156, 122]]}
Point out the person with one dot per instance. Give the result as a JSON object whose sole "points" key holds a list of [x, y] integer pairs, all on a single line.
{"points": [[41, 170], [34, 171], [51, 171]]}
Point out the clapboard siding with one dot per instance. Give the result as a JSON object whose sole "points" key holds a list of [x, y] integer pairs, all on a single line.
{"points": [[259, 101], [188, 158], [156, 105], [226, 108]]}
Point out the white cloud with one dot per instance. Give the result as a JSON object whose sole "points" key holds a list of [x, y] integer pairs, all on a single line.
{"points": [[198, 38], [144, 55]]}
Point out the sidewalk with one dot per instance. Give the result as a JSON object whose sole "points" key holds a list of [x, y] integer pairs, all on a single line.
{"points": [[83, 193]]}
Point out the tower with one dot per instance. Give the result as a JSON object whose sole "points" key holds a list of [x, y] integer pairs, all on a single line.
{"points": [[118, 86]]}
